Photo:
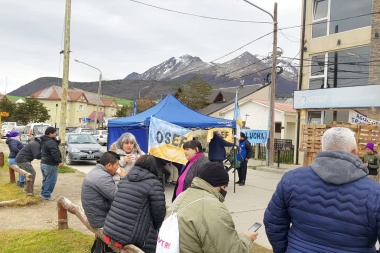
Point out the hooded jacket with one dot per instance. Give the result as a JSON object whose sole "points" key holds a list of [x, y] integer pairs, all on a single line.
{"points": [[50, 151], [98, 192], [137, 211], [206, 225], [30, 151], [330, 206], [14, 145]]}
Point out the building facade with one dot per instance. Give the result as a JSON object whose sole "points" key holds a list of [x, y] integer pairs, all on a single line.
{"points": [[339, 67]]}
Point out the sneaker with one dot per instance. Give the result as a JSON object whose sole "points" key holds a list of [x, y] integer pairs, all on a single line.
{"points": [[242, 184], [49, 199], [20, 184], [237, 182]]}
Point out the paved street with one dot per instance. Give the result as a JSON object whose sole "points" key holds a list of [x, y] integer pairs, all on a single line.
{"points": [[247, 205]]}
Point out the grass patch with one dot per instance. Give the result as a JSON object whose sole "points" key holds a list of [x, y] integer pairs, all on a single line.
{"points": [[66, 169], [45, 241]]}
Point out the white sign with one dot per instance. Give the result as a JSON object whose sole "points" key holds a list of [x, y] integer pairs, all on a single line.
{"points": [[358, 118], [345, 97]]}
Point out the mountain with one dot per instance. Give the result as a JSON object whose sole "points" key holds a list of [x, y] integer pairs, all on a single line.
{"points": [[165, 78], [242, 70]]}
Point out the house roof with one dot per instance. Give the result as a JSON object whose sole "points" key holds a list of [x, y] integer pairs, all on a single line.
{"points": [[228, 97], [73, 94], [99, 116], [284, 107]]}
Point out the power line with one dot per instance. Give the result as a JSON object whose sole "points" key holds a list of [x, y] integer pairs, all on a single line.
{"points": [[201, 16]]}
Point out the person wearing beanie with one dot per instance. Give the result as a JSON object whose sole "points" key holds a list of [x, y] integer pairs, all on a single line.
{"points": [[371, 160], [15, 145], [51, 159], [245, 152], [216, 148], [204, 222]]}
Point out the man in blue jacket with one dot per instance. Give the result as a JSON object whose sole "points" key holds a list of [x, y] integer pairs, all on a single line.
{"points": [[216, 148], [330, 206]]}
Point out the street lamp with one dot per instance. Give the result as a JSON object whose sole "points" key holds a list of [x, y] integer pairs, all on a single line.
{"points": [[142, 89], [273, 81], [99, 87]]}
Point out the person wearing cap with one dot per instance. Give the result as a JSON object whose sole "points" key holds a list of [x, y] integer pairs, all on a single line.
{"points": [[51, 159], [15, 145], [371, 160], [329, 206], [204, 222], [245, 152], [216, 148]]}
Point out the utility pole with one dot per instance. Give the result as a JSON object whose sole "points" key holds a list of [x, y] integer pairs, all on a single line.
{"points": [[273, 89], [65, 79]]}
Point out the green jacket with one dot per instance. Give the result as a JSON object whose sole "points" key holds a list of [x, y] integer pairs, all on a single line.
{"points": [[206, 225], [372, 160]]}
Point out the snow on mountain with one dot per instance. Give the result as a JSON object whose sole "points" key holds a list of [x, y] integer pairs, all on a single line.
{"points": [[173, 67]]}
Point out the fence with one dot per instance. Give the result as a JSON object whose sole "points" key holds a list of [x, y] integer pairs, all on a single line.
{"points": [[286, 156], [29, 179]]}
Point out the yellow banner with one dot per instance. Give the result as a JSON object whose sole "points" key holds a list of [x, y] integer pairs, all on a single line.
{"points": [[226, 134]]}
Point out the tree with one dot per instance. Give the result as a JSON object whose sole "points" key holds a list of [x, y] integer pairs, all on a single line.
{"points": [[31, 111], [142, 104], [7, 106], [194, 92]]}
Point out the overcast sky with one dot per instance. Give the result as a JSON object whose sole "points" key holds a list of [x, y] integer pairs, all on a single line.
{"points": [[122, 36]]}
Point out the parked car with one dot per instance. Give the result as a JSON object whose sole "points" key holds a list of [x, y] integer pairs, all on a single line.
{"points": [[101, 136], [33, 130], [19, 129], [6, 129], [82, 147], [70, 129], [83, 130]]}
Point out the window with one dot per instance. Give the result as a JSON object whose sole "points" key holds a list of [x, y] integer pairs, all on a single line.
{"points": [[344, 68], [277, 127], [80, 107], [335, 16], [339, 116], [314, 118]]}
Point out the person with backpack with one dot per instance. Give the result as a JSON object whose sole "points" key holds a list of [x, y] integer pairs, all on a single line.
{"points": [[15, 145], [27, 154], [245, 152], [203, 221], [371, 160]]}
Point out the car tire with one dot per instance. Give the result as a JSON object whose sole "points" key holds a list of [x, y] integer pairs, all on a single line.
{"points": [[68, 160]]}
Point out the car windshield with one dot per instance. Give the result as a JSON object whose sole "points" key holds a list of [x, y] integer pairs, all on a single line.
{"points": [[81, 139]]}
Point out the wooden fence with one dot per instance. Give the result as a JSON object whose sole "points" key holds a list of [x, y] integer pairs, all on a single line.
{"points": [[311, 142]]}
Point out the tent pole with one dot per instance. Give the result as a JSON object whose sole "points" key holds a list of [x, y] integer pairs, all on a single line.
{"points": [[234, 160]]}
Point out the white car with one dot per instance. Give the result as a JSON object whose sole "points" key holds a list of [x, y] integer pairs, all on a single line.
{"points": [[101, 136]]}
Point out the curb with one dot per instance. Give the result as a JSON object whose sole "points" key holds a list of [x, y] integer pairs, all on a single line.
{"points": [[272, 170]]}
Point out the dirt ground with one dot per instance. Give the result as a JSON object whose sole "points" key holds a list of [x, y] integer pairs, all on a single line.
{"points": [[44, 215]]}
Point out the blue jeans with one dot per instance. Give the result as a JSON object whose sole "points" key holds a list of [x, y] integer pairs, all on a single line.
{"points": [[49, 175], [21, 178]]}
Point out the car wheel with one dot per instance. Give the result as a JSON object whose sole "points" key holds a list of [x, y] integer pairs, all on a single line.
{"points": [[68, 160]]}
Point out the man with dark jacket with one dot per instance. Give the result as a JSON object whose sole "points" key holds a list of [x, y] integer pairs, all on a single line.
{"points": [[98, 192], [51, 159], [216, 148], [330, 206], [27, 154], [245, 152]]}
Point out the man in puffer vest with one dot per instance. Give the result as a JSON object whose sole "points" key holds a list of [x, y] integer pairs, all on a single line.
{"points": [[371, 160], [330, 206]]}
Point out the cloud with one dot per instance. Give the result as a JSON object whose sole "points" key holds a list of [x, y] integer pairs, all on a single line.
{"points": [[122, 36]]}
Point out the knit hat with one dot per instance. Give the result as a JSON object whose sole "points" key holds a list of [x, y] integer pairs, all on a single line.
{"points": [[50, 130], [13, 134], [370, 145], [242, 135], [214, 174]]}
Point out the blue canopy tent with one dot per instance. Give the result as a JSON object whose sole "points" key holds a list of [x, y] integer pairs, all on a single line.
{"points": [[170, 110]]}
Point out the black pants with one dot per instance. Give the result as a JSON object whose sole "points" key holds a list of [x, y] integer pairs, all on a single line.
{"points": [[100, 247], [242, 171]]}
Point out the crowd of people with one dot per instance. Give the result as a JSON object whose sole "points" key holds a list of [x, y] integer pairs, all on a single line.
{"points": [[333, 205]]}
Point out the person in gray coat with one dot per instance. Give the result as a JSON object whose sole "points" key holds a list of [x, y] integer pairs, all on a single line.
{"points": [[98, 192]]}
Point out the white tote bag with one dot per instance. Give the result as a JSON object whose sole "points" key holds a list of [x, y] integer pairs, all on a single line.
{"points": [[168, 237]]}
